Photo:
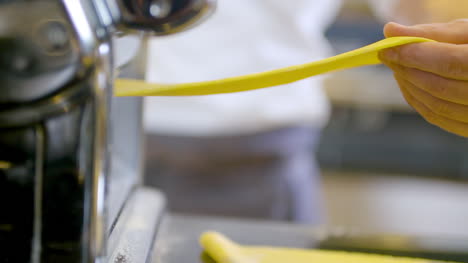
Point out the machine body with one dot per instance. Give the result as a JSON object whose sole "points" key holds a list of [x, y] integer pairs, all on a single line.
{"points": [[70, 153]]}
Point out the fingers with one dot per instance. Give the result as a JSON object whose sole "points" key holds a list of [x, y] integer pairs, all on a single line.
{"points": [[454, 32], [440, 107], [453, 126], [433, 76], [447, 60], [451, 90]]}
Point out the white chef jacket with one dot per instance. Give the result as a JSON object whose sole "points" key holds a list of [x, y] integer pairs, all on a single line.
{"points": [[242, 37]]}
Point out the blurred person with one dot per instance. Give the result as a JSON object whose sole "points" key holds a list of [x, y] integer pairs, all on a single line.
{"points": [[251, 153], [244, 154]]}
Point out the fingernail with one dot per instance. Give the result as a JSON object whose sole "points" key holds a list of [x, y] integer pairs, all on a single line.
{"points": [[393, 29], [388, 55]]}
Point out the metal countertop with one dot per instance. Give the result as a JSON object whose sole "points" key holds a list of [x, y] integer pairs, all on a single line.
{"points": [[177, 239]]}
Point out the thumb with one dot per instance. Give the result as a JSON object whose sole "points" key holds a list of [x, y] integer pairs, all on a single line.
{"points": [[455, 32]]}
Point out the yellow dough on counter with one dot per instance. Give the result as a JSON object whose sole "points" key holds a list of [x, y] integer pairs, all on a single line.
{"points": [[223, 250], [364, 56]]}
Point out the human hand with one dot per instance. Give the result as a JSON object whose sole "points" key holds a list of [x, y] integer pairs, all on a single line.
{"points": [[433, 76]]}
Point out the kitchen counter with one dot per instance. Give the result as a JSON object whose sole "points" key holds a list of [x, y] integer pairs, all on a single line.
{"points": [[177, 240]]}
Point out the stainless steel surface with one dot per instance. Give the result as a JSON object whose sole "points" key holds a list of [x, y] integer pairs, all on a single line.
{"points": [[162, 17], [61, 92], [126, 136], [70, 153], [42, 51], [132, 237], [177, 241]]}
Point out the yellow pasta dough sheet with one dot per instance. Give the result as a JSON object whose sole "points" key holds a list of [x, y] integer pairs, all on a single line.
{"points": [[364, 56]]}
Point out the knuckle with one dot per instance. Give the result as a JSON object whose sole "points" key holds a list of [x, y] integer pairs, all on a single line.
{"points": [[435, 85], [427, 114], [451, 111], [456, 63], [442, 108], [407, 98], [428, 82], [414, 55], [406, 53], [430, 117], [439, 90], [451, 68]]}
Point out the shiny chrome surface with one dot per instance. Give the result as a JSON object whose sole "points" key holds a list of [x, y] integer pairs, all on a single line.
{"points": [[70, 153], [133, 235], [163, 17], [42, 51], [126, 134]]}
